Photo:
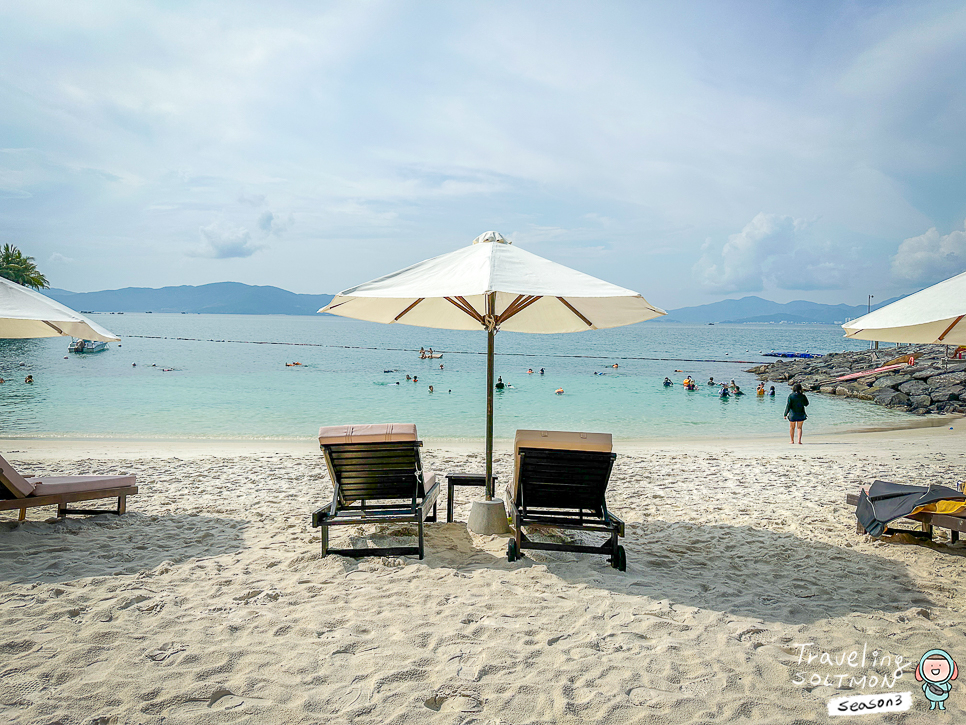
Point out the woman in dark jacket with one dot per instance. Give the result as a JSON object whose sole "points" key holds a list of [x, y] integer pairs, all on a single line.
{"points": [[795, 411]]}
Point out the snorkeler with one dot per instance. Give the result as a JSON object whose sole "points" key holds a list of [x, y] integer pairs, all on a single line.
{"points": [[724, 391], [499, 383], [558, 391], [415, 379], [529, 371], [667, 382], [430, 388], [29, 379], [541, 371]]}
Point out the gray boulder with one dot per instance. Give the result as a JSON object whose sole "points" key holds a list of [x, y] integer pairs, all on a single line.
{"points": [[892, 381], [914, 388], [920, 401], [892, 398], [944, 394], [946, 380]]}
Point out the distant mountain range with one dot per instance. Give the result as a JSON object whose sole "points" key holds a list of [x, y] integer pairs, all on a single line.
{"points": [[234, 298], [755, 309], [227, 298]]}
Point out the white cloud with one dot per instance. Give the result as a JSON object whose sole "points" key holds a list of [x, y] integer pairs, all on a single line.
{"points": [[220, 242], [61, 259], [930, 257], [771, 251], [272, 223]]}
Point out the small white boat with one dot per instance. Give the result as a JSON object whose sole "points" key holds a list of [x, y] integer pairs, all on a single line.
{"points": [[87, 346]]}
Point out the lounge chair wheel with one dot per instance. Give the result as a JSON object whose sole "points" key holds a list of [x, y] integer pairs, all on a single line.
{"points": [[619, 560], [511, 550]]}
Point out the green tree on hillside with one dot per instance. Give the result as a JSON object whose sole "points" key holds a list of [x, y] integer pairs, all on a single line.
{"points": [[20, 269]]}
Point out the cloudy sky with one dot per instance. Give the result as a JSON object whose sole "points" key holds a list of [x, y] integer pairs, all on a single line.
{"points": [[689, 151]]}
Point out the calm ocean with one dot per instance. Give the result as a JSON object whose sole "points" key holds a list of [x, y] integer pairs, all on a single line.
{"points": [[219, 385]]}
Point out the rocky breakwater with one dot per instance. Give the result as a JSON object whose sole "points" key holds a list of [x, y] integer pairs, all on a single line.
{"points": [[930, 385]]}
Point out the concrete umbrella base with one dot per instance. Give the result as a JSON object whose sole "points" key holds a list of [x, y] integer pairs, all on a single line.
{"points": [[488, 517]]}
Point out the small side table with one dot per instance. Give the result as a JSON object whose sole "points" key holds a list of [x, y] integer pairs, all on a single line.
{"points": [[462, 479]]}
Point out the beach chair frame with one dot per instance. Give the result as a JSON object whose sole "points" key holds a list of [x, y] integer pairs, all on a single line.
{"points": [[19, 492], [62, 499], [385, 481], [955, 524], [565, 489]]}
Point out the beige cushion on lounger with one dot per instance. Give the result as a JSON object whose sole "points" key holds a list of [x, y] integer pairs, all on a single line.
{"points": [[52, 485], [15, 483], [371, 433], [558, 440]]}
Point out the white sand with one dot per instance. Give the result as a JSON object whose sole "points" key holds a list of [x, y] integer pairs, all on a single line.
{"points": [[208, 602]]}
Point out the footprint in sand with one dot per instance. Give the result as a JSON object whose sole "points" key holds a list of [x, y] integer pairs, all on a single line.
{"points": [[455, 703]]}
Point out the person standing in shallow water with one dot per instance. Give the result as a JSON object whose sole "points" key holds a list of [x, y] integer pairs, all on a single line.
{"points": [[795, 411]]}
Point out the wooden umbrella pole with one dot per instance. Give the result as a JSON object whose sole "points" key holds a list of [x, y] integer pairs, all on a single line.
{"points": [[490, 335]]}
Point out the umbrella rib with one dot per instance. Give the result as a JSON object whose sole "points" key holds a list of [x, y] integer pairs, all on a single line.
{"points": [[396, 318], [574, 310], [461, 304], [948, 329], [51, 324], [518, 305]]}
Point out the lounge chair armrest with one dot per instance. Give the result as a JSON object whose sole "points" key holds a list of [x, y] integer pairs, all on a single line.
{"points": [[320, 515], [619, 522], [432, 493]]}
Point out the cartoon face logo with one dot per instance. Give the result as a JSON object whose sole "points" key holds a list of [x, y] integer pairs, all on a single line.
{"points": [[936, 671]]}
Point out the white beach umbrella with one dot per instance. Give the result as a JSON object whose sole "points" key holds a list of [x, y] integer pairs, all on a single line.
{"points": [[933, 315], [25, 313], [493, 285]]}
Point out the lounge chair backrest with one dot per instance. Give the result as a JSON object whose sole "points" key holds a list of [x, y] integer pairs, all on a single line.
{"points": [[17, 485], [374, 462], [559, 440]]}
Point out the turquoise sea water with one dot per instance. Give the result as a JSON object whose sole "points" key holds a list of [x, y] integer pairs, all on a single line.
{"points": [[214, 387]]}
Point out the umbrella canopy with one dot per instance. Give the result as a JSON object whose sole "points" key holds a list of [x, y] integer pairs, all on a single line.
{"points": [[533, 294], [933, 315], [494, 286], [25, 313]]}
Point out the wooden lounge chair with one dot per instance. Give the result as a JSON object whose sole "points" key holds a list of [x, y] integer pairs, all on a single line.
{"points": [[18, 492], [376, 467], [559, 480]]}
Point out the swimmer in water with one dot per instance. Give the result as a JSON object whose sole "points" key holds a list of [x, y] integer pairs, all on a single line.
{"points": [[614, 366], [558, 391], [499, 383], [738, 391], [441, 366], [29, 379], [529, 371], [667, 382], [724, 391], [761, 389], [771, 392], [415, 379], [430, 388], [407, 377], [711, 381], [541, 371]]}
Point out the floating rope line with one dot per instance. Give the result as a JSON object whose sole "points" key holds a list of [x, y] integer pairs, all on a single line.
{"points": [[449, 352]]}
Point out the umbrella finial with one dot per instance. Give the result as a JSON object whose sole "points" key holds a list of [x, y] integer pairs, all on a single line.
{"points": [[491, 237]]}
